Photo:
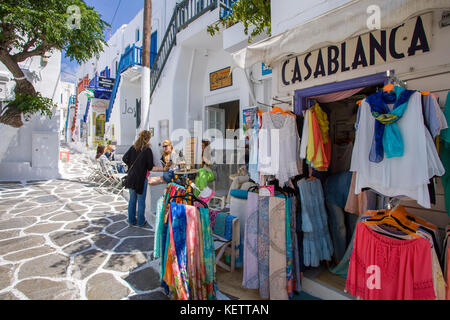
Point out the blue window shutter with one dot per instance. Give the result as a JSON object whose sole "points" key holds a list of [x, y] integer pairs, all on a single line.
{"points": [[153, 47]]}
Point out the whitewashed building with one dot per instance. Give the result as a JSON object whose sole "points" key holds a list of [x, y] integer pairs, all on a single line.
{"points": [[32, 152], [324, 47]]}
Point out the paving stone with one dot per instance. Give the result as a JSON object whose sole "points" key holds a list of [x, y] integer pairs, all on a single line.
{"points": [[94, 230], [37, 193], [101, 222], [40, 210], [25, 204], [14, 223], [125, 262], [133, 231], [61, 238], [121, 208], [76, 247], [8, 202], [78, 225], [6, 275], [101, 209], [8, 296], [105, 242], [16, 244], [157, 295], [48, 216], [115, 227], [43, 228], [43, 289], [9, 234], [98, 214], [53, 265], [81, 198], [144, 280], [105, 199], [142, 244], [46, 199], [29, 253], [104, 286], [74, 207], [118, 217], [69, 216], [86, 263]]}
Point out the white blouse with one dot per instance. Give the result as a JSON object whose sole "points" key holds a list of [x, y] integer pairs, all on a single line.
{"points": [[279, 146], [399, 176]]}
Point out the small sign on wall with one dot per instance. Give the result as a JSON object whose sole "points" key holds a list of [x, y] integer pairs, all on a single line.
{"points": [[265, 70], [220, 79]]}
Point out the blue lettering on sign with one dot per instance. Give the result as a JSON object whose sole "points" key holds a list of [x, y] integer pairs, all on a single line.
{"points": [[265, 70]]}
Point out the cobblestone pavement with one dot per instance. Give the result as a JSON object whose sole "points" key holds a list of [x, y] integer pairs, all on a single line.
{"points": [[62, 239]]}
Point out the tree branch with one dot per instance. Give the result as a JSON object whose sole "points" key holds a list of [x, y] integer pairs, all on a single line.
{"points": [[38, 51]]}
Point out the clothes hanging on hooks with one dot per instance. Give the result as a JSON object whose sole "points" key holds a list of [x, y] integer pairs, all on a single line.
{"points": [[415, 248], [392, 176]]}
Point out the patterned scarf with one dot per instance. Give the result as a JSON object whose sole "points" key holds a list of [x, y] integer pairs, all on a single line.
{"points": [[387, 137]]}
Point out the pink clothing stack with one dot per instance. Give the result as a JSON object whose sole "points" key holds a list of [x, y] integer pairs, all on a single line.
{"points": [[384, 268]]}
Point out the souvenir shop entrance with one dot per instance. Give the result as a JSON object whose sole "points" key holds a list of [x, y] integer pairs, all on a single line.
{"points": [[222, 119]]}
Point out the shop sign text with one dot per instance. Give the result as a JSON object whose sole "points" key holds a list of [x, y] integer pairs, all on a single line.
{"points": [[220, 79], [376, 47]]}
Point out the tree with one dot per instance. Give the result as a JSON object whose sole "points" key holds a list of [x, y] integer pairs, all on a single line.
{"points": [[31, 28], [254, 13]]}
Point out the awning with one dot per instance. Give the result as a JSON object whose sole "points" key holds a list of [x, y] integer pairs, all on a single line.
{"points": [[335, 26]]}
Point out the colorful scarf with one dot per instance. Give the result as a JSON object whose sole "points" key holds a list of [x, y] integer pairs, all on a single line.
{"points": [[209, 255], [387, 137]]}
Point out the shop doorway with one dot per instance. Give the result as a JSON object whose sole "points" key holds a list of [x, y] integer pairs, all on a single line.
{"points": [[223, 118]]}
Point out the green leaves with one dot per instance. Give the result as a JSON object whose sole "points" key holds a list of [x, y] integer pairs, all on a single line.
{"points": [[29, 25], [28, 103], [33, 27], [250, 13]]}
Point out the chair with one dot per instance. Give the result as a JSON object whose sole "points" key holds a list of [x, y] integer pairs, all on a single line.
{"points": [[228, 245]]}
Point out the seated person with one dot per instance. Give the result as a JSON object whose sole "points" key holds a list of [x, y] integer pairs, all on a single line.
{"points": [[170, 161], [109, 152]]}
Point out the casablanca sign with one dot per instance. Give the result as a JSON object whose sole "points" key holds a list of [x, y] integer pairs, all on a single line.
{"points": [[376, 47]]}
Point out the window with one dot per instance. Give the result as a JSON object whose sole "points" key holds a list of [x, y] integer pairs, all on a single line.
{"points": [[137, 35]]}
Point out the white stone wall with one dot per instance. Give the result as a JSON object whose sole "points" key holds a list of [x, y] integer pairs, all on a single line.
{"points": [[20, 153], [286, 14]]}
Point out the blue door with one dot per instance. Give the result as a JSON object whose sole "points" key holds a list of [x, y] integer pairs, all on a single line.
{"points": [[153, 47]]}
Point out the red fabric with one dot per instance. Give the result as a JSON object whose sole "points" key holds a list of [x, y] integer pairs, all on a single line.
{"points": [[405, 269]]}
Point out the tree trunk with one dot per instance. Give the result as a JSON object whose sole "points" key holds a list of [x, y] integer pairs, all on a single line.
{"points": [[13, 116]]}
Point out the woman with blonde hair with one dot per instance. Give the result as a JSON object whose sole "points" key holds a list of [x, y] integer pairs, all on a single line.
{"points": [[170, 161], [139, 159]]}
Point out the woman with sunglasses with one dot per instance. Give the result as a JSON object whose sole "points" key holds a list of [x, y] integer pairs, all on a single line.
{"points": [[169, 161]]}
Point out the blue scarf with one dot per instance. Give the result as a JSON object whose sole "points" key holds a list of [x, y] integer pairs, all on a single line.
{"points": [[387, 137]]}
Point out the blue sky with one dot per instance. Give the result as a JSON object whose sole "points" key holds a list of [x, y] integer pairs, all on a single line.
{"points": [[126, 10]]}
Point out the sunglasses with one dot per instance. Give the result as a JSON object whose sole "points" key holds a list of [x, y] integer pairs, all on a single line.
{"points": [[165, 146]]}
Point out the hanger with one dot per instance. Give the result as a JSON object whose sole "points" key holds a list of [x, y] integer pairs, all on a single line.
{"points": [[390, 217], [189, 194], [276, 109], [389, 87]]}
